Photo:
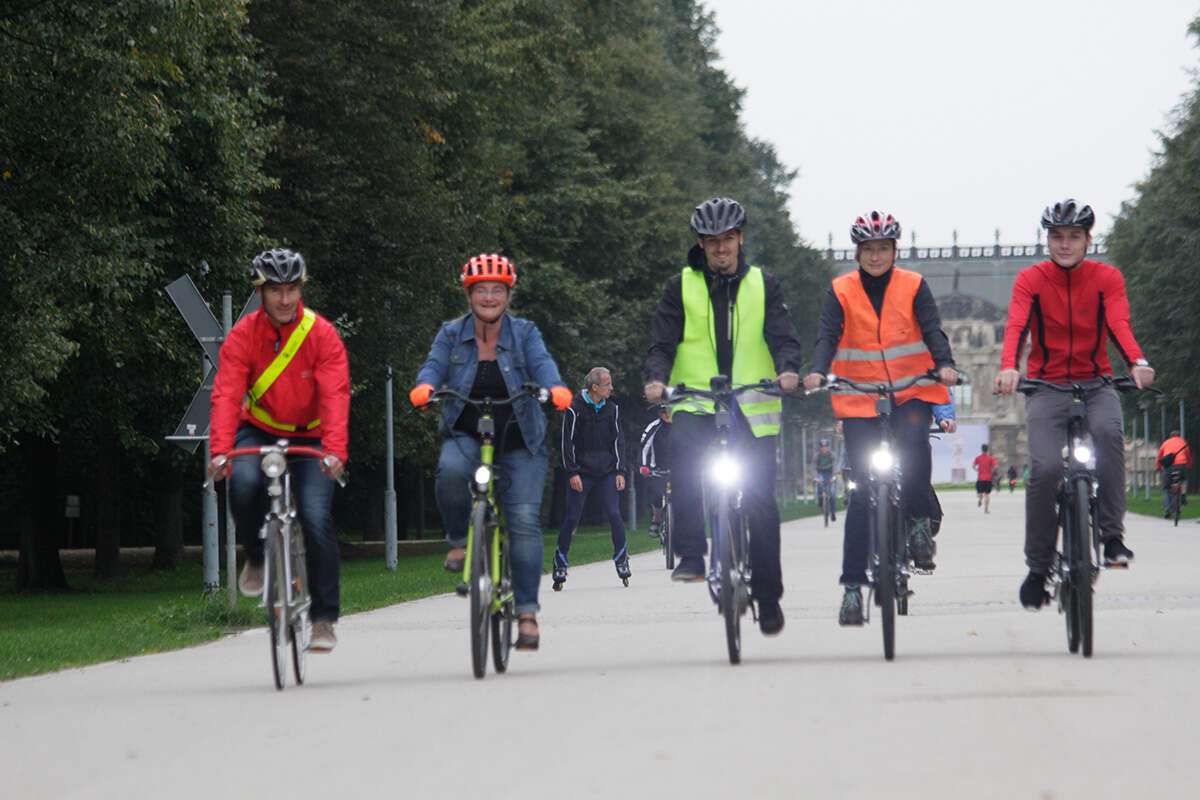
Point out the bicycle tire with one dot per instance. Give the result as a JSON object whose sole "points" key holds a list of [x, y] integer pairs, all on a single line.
{"points": [[276, 602], [300, 625], [885, 581], [1081, 570], [668, 527], [479, 588], [825, 507], [1175, 505], [728, 601], [502, 620]]}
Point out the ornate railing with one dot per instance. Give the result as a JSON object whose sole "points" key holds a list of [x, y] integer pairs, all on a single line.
{"points": [[981, 253]]}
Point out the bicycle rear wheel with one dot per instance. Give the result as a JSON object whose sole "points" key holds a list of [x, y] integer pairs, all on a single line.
{"points": [[277, 599], [885, 580], [1175, 507], [502, 620], [1082, 567], [825, 501], [479, 587], [729, 589], [301, 626]]}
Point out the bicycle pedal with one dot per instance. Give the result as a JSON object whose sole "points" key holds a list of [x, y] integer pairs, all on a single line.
{"points": [[462, 590], [1117, 565]]}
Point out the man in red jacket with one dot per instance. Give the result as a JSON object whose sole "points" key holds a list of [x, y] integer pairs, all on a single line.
{"points": [[1173, 454], [1070, 307], [309, 400]]}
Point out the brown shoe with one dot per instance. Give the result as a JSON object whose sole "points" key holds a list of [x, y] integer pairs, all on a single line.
{"points": [[527, 639], [250, 581], [455, 559]]}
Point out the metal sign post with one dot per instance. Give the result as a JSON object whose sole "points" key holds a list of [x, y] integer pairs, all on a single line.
{"points": [[193, 428], [389, 496], [230, 527]]}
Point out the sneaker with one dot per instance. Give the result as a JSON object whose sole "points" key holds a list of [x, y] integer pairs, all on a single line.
{"points": [[770, 618], [1116, 554], [689, 569], [920, 543], [1033, 591], [851, 612], [250, 580], [323, 638]]}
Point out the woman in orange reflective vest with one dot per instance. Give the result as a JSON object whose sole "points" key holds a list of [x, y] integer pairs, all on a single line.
{"points": [[880, 324]]}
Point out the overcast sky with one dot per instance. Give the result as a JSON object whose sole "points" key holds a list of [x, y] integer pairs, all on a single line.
{"points": [[957, 114]]}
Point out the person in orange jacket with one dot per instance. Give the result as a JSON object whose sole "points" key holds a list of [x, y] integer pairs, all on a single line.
{"points": [[880, 324], [1174, 452], [488, 352], [308, 400]]}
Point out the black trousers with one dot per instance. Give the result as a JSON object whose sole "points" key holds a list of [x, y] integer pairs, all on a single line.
{"points": [[692, 435], [606, 485], [910, 426]]}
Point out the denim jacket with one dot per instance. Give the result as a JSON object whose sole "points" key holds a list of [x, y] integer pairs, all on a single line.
{"points": [[521, 355]]}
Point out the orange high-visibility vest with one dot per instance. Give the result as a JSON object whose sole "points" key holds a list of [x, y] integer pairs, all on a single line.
{"points": [[875, 349]]}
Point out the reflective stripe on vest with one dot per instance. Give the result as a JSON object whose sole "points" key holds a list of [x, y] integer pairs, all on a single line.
{"points": [[696, 357], [881, 348], [271, 374]]}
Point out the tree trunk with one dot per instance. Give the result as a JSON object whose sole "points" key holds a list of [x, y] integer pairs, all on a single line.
{"points": [[38, 563], [168, 527], [107, 497]]}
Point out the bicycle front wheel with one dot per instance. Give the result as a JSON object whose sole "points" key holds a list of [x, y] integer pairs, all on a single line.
{"points": [[479, 587], [729, 586], [300, 625], [668, 527], [1175, 507], [826, 507], [885, 580], [1082, 567], [277, 601]]}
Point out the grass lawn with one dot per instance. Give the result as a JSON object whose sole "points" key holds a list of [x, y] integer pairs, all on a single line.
{"points": [[148, 611], [1153, 506]]}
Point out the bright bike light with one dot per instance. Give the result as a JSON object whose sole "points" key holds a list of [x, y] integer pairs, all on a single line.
{"points": [[881, 460], [725, 470], [851, 486], [1082, 453], [483, 475], [274, 465]]}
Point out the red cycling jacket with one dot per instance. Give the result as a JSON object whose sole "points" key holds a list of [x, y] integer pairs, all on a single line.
{"points": [[315, 385], [1068, 315], [1178, 447]]}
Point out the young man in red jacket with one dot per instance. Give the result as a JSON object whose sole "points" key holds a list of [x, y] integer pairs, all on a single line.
{"points": [[1070, 307], [308, 400]]}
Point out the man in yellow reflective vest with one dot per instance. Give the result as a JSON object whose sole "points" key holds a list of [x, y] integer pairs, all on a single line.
{"points": [[284, 375], [880, 324], [721, 316]]}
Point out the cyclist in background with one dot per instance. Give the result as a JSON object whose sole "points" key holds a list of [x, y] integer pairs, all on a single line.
{"points": [[655, 467], [1174, 454], [823, 465], [1012, 478]]}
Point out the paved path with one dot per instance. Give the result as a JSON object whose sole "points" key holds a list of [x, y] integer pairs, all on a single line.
{"points": [[632, 695]]}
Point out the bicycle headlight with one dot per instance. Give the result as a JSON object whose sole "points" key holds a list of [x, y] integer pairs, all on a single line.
{"points": [[1082, 453], [881, 460], [274, 465], [483, 475], [851, 486], [725, 470]]}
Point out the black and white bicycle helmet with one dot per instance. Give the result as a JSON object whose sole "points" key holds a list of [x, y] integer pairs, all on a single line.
{"points": [[717, 216], [278, 265], [1068, 214]]}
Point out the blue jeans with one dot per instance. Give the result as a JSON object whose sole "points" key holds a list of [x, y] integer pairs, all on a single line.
{"points": [[313, 493], [520, 476]]}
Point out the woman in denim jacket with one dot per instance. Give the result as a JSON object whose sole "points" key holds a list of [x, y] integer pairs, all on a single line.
{"points": [[490, 353]]}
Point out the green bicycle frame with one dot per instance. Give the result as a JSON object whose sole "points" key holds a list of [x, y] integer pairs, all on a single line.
{"points": [[487, 453]]}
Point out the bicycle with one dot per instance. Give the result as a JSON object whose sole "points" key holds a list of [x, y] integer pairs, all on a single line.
{"points": [[889, 566], [1076, 567], [825, 498], [487, 568], [667, 525], [729, 577], [285, 571], [1176, 478]]}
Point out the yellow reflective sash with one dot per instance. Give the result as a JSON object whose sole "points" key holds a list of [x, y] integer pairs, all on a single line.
{"points": [[275, 369]]}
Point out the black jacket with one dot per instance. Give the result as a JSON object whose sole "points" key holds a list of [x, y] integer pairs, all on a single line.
{"points": [[829, 329], [666, 330], [592, 441]]}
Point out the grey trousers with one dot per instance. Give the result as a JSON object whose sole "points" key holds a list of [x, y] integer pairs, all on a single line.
{"points": [[1047, 413]]}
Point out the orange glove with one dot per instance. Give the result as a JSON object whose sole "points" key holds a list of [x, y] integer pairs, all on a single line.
{"points": [[561, 396], [419, 396]]}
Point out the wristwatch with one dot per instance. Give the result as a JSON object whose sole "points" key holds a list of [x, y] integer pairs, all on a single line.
{"points": [[1141, 362]]}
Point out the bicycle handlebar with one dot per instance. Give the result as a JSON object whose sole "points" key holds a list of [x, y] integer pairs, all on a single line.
{"points": [[1124, 383], [680, 393], [542, 395], [286, 450], [832, 381]]}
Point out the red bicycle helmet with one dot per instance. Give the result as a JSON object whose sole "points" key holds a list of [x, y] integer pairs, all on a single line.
{"points": [[489, 267], [873, 226]]}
